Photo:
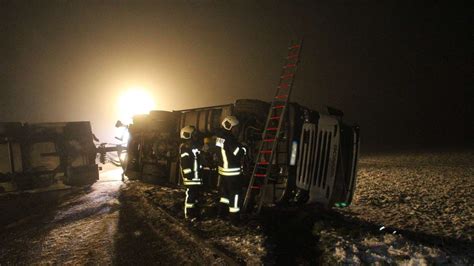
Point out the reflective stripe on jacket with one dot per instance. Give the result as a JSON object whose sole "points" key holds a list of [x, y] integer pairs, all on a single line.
{"points": [[230, 154], [190, 164]]}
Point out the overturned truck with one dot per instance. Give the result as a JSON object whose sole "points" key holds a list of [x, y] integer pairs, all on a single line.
{"points": [[315, 162], [46, 155]]}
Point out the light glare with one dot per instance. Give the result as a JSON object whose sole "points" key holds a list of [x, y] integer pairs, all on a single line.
{"points": [[134, 102]]}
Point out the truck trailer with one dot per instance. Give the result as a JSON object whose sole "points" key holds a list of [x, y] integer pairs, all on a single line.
{"points": [[46, 155]]}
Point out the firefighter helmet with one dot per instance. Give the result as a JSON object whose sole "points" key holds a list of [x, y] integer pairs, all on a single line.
{"points": [[187, 132], [229, 122]]}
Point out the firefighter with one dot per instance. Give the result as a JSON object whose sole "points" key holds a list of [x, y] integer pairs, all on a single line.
{"points": [[190, 168], [207, 163], [230, 155]]}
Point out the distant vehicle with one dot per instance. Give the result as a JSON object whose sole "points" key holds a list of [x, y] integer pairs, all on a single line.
{"points": [[316, 157], [38, 156]]}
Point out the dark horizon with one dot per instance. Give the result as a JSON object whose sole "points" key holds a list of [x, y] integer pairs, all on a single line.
{"points": [[402, 72]]}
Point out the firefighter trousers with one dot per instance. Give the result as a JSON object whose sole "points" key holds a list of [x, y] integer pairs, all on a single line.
{"points": [[191, 201], [230, 192]]}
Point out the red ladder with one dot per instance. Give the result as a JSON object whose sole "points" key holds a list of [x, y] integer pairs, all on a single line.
{"points": [[273, 125]]}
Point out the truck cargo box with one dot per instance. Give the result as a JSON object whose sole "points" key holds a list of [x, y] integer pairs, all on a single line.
{"points": [[39, 155]]}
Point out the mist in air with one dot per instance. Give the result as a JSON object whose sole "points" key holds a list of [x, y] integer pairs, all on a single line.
{"points": [[398, 71]]}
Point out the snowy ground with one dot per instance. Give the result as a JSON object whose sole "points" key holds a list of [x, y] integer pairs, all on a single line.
{"points": [[99, 225], [77, 229], [410, 208], [423, 203]]}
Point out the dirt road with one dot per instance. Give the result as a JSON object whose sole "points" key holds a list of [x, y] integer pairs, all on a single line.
{"points": [[80, 230], [409, 208], [94, 227]]}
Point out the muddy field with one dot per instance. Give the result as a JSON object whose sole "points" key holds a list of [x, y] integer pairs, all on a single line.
{"points": [[410, 208]]}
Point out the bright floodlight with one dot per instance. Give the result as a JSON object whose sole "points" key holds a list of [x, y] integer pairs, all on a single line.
{"points": [[133, 102]]}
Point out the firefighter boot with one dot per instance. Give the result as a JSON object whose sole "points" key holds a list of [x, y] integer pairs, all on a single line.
{"points": [[234, 218], [223, 211], [192, 213]]}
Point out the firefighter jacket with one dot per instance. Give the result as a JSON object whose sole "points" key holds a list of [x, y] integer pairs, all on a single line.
{"points": [[190, 165], [230, 154]]}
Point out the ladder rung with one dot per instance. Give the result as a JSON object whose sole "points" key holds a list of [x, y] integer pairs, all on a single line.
{"points": [[266, 151], [294, 46], [292, 56], [287, 76], [260, 175], [272, 128], [269, 140], [274, 118], [278, 106], [255, 187], [284, 86], [269, 136], [289, 65], [281, 96], [263, 163]]}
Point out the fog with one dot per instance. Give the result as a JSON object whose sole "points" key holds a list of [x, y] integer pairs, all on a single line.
{"points": [[401, 72]]}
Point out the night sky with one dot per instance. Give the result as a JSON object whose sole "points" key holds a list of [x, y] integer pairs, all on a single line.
{"points": [[401, 71]]}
